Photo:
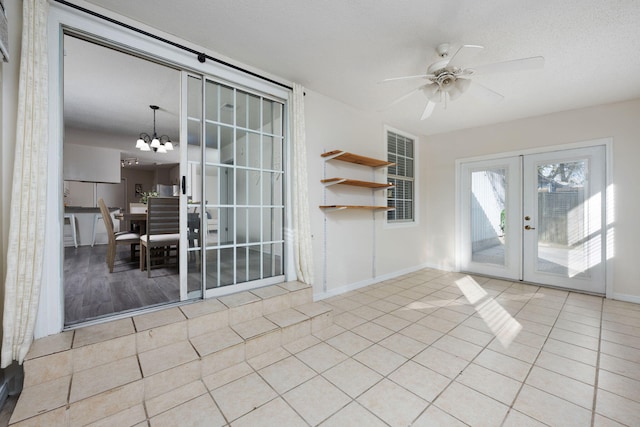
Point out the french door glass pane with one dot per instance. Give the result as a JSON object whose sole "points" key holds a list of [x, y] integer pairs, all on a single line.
{"points": [[563, 218], [488, 216]]}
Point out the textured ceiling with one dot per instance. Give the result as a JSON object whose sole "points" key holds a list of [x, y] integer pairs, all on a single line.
{"points": [[343, 49]]}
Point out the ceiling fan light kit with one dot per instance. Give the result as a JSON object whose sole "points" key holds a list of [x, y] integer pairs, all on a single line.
{"points": [[449, 79]]}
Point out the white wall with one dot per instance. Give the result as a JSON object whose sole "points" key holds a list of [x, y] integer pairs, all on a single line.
{"points": [[357, 248], [619, 121]]}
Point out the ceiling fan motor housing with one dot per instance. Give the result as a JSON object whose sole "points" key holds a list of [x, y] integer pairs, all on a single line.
{"points": [[446, 80]]}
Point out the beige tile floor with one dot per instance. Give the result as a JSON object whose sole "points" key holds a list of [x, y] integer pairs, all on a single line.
{"points": [[427, 349]]}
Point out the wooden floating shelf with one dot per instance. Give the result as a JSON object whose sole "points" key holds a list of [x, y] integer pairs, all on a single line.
{"points": [[371, 208], [355, 158], [356, 183]]}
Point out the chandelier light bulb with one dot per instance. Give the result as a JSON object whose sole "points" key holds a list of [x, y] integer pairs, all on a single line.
{"points": [[140, 143], [162, 149], [155, 143], [168, 146], [145, 147]]}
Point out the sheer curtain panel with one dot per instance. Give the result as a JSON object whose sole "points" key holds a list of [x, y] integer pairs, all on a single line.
{"points": [[301, 222], [28, 196]]}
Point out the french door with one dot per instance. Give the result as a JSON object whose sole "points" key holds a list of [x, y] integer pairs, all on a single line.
{"points": [[537, 218]]}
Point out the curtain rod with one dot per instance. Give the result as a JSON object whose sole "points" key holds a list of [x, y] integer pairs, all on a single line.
{"points": [[202, 57]]}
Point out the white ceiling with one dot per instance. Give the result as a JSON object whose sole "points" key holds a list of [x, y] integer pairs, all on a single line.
{"points": [[343, 49]]}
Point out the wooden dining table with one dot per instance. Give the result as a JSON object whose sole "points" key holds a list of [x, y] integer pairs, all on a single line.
{"points": [[137, 220]]}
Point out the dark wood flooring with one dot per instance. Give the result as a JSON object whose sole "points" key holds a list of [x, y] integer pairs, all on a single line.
{"points": [[91, 292]]}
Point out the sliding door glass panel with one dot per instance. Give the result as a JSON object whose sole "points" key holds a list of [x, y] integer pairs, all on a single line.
{"points": [[488, 216], [243, 186]]}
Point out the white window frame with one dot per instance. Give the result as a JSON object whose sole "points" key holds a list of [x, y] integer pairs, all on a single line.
{"points": [[404, 222]]}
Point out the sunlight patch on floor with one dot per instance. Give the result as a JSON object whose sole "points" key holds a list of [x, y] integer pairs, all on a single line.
{"points": [[501, 323]]}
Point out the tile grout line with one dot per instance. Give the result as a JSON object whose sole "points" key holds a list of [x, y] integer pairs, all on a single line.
{"points": [[596, 380]]}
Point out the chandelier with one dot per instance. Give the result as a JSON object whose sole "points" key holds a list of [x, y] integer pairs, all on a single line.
{"points": [[160, 144]]}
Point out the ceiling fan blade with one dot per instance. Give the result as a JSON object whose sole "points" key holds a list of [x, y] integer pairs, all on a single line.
{"points": [[484, 93], [393, 79], [428, 110], [464, 54], [513, 65], [403, 97]]}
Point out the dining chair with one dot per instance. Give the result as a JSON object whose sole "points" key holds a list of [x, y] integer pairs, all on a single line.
{"points": [[163, 233], [116, 238]]}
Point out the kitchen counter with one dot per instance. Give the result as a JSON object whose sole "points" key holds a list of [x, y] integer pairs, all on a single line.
{"points": [[85, 209]]}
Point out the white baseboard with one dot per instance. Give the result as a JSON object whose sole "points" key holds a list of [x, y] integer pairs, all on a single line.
{"points": [[371, 281], [627, 298]]}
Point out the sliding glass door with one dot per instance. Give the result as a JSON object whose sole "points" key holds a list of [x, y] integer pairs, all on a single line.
{"points": [[234, 185]]}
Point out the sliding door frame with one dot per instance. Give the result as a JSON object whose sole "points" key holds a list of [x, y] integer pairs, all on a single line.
{"points": [[50, 318]]}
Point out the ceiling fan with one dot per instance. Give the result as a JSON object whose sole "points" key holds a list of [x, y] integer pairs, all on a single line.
{"points": [[448, 78]]}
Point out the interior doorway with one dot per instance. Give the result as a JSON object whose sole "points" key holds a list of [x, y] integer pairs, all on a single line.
{"points": [[538, 218]]}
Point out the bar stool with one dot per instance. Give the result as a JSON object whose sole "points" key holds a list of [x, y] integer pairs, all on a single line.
{"points": [[72, 222], [96, 218]]}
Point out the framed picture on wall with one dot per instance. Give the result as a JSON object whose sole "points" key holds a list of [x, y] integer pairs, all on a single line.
{"points": [[138, 190]]}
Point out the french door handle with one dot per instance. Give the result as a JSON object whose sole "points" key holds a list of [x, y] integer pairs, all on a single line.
{"points": [[528, 227]]}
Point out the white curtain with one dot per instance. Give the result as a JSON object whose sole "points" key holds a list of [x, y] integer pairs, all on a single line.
{"points": [[301, 224], [28, 196]]}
